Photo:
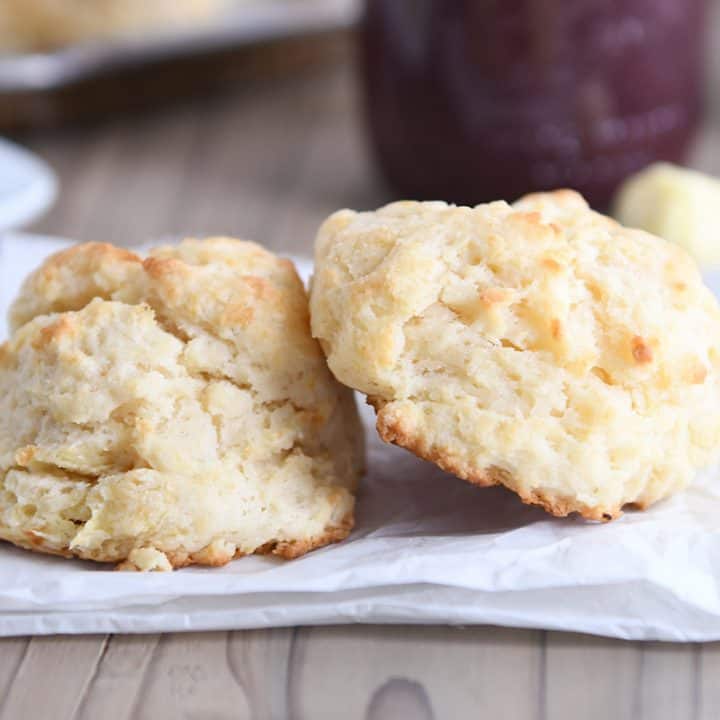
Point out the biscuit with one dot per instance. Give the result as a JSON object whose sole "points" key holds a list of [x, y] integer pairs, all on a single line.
{"points": [[540, 346], [173, 410], [49, 24]]}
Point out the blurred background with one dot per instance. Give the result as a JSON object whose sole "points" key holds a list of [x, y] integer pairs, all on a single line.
{"points": [[257, 118]]}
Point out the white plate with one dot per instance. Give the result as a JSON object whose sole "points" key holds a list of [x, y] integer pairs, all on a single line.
{"points": [[244, 23], [27, 186]]}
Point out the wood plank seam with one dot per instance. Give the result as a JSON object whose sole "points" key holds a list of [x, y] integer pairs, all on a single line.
{"points": [[543, 680], [135, 712], [91, 676], [296, 654], [697, 681], [15, 673]]}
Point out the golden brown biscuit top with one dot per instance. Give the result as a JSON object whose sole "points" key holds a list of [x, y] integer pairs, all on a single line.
{"points": [[539, 345]]}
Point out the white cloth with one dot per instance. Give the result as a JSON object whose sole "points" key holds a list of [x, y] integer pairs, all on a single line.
{"points": [[427, 548]]}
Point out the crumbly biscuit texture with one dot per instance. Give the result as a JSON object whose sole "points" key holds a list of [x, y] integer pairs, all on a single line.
{"points": [[171, 410], [48, 24], [540, 345]]}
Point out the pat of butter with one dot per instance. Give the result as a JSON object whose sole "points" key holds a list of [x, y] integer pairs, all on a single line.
{"points": [[677, 204]]}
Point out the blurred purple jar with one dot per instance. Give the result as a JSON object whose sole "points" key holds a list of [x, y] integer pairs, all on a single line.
{"points": [[473, 100]]}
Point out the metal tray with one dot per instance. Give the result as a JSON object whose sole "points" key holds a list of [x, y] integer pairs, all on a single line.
{"points": [[245, 22]]}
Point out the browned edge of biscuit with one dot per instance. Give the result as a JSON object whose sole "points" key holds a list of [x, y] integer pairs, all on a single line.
{"points": [[288, 550], [392, 431], [208, 556]]}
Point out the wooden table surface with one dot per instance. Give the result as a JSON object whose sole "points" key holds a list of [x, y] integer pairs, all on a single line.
{"points": [[268, 162]]}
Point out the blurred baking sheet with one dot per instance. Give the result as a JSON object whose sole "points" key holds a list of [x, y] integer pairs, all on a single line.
{"points": [[244, 22]]}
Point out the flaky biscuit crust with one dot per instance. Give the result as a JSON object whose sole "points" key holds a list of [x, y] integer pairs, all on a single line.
{"points": [[171, 410], [540, 346]]}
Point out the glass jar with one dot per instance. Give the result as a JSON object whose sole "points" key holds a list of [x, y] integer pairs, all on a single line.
{"points": [[476, 100]]}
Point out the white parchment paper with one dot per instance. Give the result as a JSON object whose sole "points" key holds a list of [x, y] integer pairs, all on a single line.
{"points": [[427, 548]]}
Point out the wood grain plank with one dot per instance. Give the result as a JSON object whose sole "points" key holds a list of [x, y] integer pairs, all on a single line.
{"points": [[619, 679], [248, 160], [668, 681], [145, 167], [52, 677], [81, 157], [120, 183], [268, 163], [119, 678], [382, 673], [189, 678], [708, 673], [259, 661], [12, 652], [597, 677], [336, 170]]}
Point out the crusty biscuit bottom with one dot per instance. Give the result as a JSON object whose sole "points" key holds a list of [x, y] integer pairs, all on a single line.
{"points": [[210, 556], [285, 550], [393, 432]]}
